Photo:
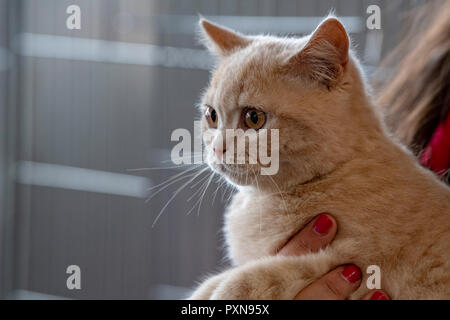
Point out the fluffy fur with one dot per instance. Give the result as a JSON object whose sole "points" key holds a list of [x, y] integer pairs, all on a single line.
{"points": [[335, 157]]}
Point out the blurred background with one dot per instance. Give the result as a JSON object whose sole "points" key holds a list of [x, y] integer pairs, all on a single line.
{"points": [[80, 108]]}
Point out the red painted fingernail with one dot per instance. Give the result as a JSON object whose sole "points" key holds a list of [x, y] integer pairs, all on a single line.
{"points": [[378, 295], [351, 273], [323, 224]]}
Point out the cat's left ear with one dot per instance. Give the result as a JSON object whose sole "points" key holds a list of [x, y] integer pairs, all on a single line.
{"points": [[325, 55], [222, 41]]}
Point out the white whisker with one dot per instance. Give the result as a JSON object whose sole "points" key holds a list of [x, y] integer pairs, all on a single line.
{"points": [[260, 213], [199, 190], [172, 178], [280, 193], [162, 168], [204, 191], [199, 199], [222, 182], [198, 182], [175, 194], [169, 184]]}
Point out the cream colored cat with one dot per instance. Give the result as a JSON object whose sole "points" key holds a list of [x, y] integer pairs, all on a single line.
{"points": [[335, 157]]}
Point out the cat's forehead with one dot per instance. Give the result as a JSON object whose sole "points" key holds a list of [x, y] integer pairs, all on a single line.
{"points": [[251, 69], [263, 55]]}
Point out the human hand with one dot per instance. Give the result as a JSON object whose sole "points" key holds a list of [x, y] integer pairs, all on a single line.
{"points": [[338, 284]]}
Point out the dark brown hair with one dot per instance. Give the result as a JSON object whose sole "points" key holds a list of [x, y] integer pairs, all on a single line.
{"points": [[413, 83]]}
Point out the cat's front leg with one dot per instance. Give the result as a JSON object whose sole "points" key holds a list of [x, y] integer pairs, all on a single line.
{"points": [[206, 289], [273, 278]]}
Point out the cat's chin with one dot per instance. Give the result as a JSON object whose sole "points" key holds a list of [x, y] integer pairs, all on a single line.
{"points": [[248, 176], [240, 175]]}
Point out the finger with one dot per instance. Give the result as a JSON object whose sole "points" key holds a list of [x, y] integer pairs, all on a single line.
{"points": [[376, 295], [315, 235], [338, 284]]}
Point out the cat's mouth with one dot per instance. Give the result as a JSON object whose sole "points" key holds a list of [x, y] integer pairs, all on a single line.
{"points": [[240, 174], [234, 170], [237, 173]]}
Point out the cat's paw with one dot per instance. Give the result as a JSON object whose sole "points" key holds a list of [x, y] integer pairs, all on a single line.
{"points": [[268, 278], [272, 278], [206, 289], [246, 286], [238, 286]]}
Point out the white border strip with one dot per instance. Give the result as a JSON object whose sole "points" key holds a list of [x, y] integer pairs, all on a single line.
{"points": [[73, 178], [73, 48]]}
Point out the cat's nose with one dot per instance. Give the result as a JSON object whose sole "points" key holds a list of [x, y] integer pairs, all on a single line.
{"points": [[219, 152]]}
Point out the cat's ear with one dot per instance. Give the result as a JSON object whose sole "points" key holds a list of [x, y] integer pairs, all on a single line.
{"points": [[221, 41], [325, 55]]}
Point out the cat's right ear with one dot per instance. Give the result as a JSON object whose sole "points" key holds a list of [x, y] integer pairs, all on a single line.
{"points": [[325, 55], [221, 41]]}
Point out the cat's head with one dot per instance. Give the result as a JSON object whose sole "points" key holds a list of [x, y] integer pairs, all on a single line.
{"points": [[310, 89]]}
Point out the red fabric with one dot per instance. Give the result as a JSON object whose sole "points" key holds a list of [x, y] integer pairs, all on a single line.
{"points": [[436, 155]]}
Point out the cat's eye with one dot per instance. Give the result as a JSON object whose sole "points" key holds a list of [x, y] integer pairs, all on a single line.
{"points": [[254, 118], [211, 116]]}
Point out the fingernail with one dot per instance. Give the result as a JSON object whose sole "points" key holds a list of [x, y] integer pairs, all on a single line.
{"points": [[323, 224], [351, 273], [378, 295]]}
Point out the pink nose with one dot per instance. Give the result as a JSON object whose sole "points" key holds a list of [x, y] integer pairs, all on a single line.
{"points": [[219, 152]]}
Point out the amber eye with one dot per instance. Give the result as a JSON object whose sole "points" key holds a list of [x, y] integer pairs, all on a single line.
{"points": [[211, 116], [253, 118]]}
